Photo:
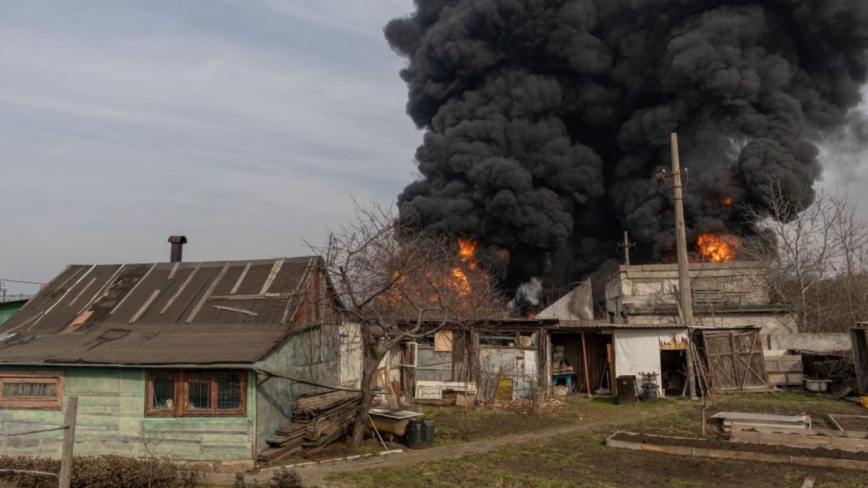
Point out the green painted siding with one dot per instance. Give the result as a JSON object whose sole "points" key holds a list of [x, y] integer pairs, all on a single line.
{"points": [[311, 355], [8, 309], [111, 421], [111, 409]]}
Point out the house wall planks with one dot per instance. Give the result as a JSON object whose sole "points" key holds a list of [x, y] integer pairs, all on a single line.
{"points": [[111, 421]]}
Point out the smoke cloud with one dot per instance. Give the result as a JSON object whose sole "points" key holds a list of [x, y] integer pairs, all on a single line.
{"points": [[546, 120]]}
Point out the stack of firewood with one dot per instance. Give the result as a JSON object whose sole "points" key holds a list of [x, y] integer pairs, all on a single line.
{"points": [[319, 418]]}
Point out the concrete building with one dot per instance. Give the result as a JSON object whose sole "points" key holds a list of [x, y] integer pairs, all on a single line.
{"points": [[724, 295]]}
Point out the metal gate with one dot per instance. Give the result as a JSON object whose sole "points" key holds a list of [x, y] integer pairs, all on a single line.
{"points": [[735, 360]]}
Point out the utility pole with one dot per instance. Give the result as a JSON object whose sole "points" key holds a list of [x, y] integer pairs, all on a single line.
{"points": [[683, 265], [628, 247]]}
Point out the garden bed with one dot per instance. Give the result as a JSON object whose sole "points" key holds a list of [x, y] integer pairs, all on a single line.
{"points": [[685, 446], [850, 423]]}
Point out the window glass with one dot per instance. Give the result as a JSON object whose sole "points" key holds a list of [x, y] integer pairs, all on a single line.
{"points": [[163, 391], [201, 393], [13, 389], [198, 376], [228, 390], [31, 389], [200, 396]]}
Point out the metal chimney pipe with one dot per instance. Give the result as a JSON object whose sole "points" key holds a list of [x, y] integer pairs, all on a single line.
{"points": [[177, 247]]}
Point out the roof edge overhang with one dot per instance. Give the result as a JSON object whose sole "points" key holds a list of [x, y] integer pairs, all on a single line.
{"points": [[254, 366]]}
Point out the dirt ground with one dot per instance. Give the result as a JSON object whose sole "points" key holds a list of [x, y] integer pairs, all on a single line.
{"points": [[581, 459], [566, 447], [456, 425], [320, 474], [853, 424]]}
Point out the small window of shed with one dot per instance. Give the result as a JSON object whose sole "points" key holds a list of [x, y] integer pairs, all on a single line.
{"points": [[23, 389]]}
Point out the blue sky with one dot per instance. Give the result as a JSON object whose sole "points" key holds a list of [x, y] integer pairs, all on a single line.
{"points": [[246, 125]]}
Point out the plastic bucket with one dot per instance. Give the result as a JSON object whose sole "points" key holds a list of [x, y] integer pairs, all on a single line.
{"points": [[416, 434], [429, 431]]}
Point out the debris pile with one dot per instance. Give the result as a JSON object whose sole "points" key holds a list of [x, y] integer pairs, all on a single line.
{"points": [[319, 418], [761, 422]]}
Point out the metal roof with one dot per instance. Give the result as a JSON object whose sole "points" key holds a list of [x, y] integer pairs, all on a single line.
{"points": [[155, 313]]}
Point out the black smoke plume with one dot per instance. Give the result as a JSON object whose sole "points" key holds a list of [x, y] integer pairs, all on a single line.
{"points": [[546, 120]]}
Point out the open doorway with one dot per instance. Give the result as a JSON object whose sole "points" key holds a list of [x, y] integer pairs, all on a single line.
{"points": [[673, 366], [582, 362]]}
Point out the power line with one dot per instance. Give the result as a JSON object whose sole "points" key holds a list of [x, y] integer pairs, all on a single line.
{"points": [[23, 282]]}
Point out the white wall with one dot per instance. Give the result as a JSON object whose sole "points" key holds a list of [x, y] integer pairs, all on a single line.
{"points": [[808, 342], [351, 355], [638, 351]]}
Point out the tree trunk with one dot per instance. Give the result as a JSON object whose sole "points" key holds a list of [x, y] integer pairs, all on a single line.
{"points": [[369, 370]]}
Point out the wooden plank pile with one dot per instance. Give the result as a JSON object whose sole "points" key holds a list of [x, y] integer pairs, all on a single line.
{"points": [[319, 418], [761, 422], [284, 443]]}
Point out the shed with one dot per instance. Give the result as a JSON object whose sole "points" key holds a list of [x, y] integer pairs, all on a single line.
{"points": [[168, 359]]}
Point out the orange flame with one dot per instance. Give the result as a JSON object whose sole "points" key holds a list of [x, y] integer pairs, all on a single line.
{"points": [[456, 279], [726, 201], [531, 315], [718, 248], [460, 283], [467, 254], [467, 251]]}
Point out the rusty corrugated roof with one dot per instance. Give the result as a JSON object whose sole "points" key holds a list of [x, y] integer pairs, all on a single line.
{"points": [[158, 313]]}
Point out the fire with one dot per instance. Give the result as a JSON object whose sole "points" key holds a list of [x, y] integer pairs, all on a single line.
{"points": [[433, 284], [531, 315], [718, 248], [726, 201], [460, 283], [467, 251], [467, 255]]}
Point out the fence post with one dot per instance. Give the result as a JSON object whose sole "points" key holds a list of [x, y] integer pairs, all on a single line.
{"points": [[68, 442]]}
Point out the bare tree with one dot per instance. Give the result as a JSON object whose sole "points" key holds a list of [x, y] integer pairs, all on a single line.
{"points": [[816, 258], [401, 285]]}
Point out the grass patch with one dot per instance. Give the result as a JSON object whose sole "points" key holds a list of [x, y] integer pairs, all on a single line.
{"points": [[583, 460]]}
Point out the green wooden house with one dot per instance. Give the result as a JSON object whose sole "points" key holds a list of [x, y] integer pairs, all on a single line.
{"points": [[188, 360]]}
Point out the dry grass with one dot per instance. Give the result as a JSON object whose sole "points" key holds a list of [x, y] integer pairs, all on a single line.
{"points": [[583, 460]]}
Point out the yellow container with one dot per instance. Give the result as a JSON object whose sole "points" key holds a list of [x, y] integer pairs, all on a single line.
{"points": [[504, 390], [864, 399]]}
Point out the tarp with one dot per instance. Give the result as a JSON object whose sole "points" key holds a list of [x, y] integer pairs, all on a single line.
{"points": [[638, 351]]}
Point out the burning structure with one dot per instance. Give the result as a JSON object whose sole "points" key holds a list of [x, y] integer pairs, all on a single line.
{"points": [[546, 134], [732, 294], [547, 121]]}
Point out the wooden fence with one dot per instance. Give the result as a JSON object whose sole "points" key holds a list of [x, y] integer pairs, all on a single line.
{"points": [[68, 429]]}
